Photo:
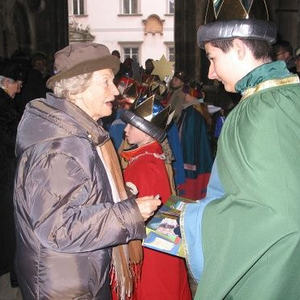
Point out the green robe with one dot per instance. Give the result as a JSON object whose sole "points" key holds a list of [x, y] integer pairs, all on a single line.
{"points": [[251, 236]]}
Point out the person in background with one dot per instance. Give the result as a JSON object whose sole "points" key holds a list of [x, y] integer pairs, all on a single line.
{"points": [[147, 76], [194, 125], [163, 277], [243, 240], [176, 95], [119, 74], [72, 211], [35, 84], [283, 50], [297, 61], [10, 85], [126, 67], [116, 53]]}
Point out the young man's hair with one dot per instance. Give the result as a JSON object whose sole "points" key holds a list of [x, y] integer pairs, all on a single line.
{"points": [[260, 49]]}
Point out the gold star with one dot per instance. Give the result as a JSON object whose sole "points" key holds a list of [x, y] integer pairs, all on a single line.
{"points": [[162, 68]]}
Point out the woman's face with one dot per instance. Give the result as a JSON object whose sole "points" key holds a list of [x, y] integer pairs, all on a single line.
{"points": [[97, 99]]}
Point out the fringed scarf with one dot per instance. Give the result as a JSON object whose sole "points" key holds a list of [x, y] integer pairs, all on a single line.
{"points": [[126, 259], [168, 163]]}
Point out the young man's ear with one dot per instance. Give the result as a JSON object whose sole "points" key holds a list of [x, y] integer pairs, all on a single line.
{"points": [[240, 48]]}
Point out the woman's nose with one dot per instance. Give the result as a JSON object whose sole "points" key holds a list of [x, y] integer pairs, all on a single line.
{"points": [[115, 90]]}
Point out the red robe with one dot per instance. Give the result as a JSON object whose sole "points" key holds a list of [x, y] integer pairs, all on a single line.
{"points": [[163, 276]]}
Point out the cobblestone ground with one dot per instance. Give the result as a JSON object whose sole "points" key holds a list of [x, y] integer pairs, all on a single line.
{"points": [[6, 292]]}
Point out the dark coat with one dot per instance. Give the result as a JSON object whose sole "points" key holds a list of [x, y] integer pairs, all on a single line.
{"points": [[8, 125], [66, 218], [34, 87]]}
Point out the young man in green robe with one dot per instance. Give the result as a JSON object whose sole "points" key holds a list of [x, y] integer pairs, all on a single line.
{"points": [[243, 240]]}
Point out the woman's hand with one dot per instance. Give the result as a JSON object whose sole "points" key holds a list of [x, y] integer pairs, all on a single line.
{"points": [[148, 205]]}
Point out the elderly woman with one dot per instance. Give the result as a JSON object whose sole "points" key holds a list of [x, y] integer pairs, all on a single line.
{"points": [[68, 185]]}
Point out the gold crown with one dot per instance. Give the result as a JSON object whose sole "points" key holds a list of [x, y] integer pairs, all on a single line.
{"points": [[149, 117], [227, 19], [148, 111]]}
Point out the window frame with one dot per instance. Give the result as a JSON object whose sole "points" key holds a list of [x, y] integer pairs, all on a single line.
{"points": [[122, 6], [78, 7], [130, 45], [169, 7], [170, 45]]}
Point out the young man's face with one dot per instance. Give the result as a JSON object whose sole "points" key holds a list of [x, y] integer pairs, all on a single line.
{"points": [[224, 67]]}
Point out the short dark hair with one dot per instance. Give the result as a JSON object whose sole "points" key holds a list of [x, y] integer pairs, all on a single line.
{"points": [[116, 53], [38, 56], [260, 49], [283, 45]]}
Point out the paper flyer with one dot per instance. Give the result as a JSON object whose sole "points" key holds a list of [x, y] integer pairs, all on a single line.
{"points": [[163, 230]]}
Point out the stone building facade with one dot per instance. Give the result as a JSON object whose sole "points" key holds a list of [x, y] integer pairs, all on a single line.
{"points": [[140, 29], [42, 25]]}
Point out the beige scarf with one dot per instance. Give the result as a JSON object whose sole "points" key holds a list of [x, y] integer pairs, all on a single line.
{"points": [[125, 258]]}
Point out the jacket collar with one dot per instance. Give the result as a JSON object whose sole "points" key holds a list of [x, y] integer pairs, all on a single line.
{"points": [[268, 71], [153, 147], [93, 131]]}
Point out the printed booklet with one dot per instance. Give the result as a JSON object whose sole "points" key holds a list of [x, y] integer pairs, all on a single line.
{"points": [[163, 230]]}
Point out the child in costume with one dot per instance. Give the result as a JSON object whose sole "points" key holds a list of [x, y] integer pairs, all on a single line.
{"points": [[163, 276]]}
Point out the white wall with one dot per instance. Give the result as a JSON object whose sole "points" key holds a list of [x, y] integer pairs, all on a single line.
{"points": [[113, 30]]}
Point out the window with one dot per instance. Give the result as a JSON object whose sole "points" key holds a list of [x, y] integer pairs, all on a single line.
{"points": [[171, 53], [171, 6], [132, 52], [78, 7], [129, 7]]}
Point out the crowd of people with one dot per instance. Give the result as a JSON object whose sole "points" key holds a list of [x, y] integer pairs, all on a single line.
{"points": [[89, 152]]}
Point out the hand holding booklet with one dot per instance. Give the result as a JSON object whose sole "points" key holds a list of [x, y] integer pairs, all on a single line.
{"points": [[163, 230]]}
